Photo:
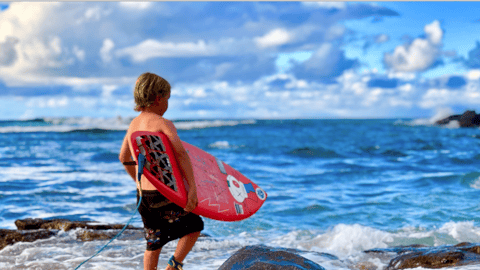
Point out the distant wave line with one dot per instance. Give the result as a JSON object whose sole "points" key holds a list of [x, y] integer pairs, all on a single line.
{"points": [[99, 125]]}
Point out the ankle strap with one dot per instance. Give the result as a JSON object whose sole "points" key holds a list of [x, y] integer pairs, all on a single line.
{"points": [[173, 263]]}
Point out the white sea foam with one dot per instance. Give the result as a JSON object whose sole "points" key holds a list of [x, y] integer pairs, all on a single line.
{"points": [[476, 183], [219, 144], [347, 242]]}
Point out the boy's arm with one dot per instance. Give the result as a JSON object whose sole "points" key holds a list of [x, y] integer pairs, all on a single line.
{"points": [[126, 156], [185, 164]]}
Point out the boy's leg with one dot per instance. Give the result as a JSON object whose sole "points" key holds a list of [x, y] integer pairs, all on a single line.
{"points": [[150, 259], [185, 244]]}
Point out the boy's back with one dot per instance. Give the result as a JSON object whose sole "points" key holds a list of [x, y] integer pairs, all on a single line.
{"points": [[148, 122]]}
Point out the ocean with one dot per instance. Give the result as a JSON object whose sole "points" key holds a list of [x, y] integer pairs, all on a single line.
{"points": [[336, 187]]}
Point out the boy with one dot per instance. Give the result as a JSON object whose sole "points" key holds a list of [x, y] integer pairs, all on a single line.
{"points": [[151, 98]]}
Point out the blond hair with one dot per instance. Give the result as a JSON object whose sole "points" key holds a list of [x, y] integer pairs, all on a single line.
{"points": [[148, 87]]}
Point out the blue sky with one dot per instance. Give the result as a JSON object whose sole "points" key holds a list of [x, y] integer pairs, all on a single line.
{"points": [[241, 59]]}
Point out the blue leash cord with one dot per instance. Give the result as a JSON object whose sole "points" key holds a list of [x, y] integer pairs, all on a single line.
{"points": [[116, 236], [141, 164]]}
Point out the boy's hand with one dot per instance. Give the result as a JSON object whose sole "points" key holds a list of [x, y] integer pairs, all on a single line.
{"points": [[192, 201]]}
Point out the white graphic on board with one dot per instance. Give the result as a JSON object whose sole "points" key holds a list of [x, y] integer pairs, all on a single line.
{"points": [[237, 189]]}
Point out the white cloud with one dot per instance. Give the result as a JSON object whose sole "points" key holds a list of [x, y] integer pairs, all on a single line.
{"points": [[420, 55], [93, 14], [107, 90], [38, 45], [42, 53], [41, 102], [152, 48], [75, 82], [79, 53], [198, 92], [406, 88], [406, 76], [434, 32], [105, 51], [441, 97], [349, 97], [275, 37], [21, 19], [136, 5], [473, 74], [56, 45], [328, 5]]}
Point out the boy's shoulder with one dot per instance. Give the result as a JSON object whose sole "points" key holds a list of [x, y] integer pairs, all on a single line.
{"points": [[150, 122]]}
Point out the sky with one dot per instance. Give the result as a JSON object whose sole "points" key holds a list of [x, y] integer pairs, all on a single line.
{"points": [[241, 60]]}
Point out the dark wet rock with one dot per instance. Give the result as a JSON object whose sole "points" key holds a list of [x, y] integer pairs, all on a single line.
{"points": [[64, 224], [467, 119], [30, 230], [261, 257], [10, 237], [432, 257], [88, 235]]}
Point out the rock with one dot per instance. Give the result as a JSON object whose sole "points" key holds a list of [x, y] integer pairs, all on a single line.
{"points": [[92, 235], [30, 230], [10, 237], [260, 257], [366, 266], [433, 257], [467, 119], [64, 224]]}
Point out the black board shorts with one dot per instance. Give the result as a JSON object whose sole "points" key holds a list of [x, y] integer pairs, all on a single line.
{"points": [[165, 221]]}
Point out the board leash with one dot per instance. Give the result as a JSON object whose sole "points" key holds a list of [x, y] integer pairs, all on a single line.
{"points": [[141, 164]]}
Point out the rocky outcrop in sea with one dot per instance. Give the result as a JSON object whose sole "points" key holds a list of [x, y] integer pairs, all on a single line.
{"points": [[467, 119]]}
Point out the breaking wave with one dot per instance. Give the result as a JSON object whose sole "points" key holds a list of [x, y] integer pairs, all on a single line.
{"points": [[88, 124]]}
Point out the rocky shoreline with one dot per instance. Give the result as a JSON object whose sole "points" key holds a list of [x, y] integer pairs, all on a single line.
{"points": [[29, 230], [260, 256]]}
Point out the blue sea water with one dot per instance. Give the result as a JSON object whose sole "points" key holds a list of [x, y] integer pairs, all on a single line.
{"points": [[334, 186]]}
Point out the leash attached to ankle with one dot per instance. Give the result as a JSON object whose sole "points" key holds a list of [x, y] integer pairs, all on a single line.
{"points": [[176, 265]]}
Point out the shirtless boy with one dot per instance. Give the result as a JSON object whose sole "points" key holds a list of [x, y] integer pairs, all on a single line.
{"points": [[151, 98]]}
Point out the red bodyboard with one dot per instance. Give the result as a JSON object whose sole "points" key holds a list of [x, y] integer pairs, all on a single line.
{"points": [[223, 192]]}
